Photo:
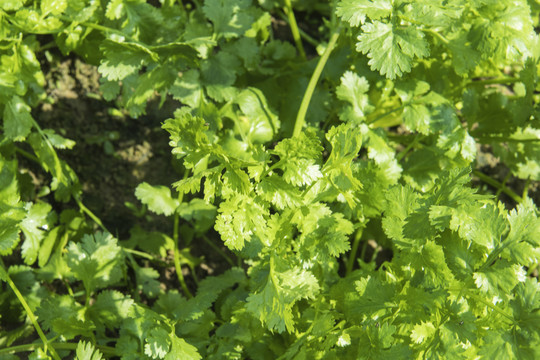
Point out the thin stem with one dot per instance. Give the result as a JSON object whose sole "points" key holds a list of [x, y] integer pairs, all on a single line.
{"points": [[505, 180], [532, 269], [179, 274], [437, 35], [310, 39], [143, 255], [176, 249], [301, 117], [30, 313], [100, 28], [526, 189], [26, 154], [490, 305], [382, 116], [486, 139], [218, 250], [294, 28], [496, 81], [488, 180], [354, 250], [62, 346], [405, 151], [88, 212]]}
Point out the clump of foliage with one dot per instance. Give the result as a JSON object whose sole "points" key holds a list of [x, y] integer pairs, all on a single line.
{"points": [[296, 155]]}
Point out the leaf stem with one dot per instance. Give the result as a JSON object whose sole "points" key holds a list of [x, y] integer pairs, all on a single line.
{"points": [[310, 39], [490, 181], [354, 250], [490, 305], [88, 212], [301, 117], [405, 151], [294, 28], [495, 81], [382, 116], [505, 180], [487, 139], [176, 246], [62, 346], [218, 250], [30, 313], [142, 254]]}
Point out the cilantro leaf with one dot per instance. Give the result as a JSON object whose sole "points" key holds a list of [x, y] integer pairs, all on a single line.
{"points": [[87, 351], [97, 260], [180, 349], [32, 225], [157, 198], [272, 304], [356, 11], [391, 50], [230, 18], [157, 343], [240, 219], [18, 121], [353, 90], [111, 308]]}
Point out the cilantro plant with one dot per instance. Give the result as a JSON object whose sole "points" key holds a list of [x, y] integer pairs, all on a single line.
{"points": [[329, 146]]}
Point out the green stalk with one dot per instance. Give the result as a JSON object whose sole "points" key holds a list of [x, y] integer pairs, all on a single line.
{"points": [[294, 28], [314, 42], [354, 250], [496, 81], [488, 180], [107, 350], [88, 212], [505, 180], [176, 249], [405, 151], [491, 306], [218, 250], [29, 312], [301, 117]]}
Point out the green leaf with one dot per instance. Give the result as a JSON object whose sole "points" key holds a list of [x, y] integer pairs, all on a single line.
{"points": [[187, 88], [391, 50], [87, 351], [353, 89], [97, 260], [64, 316], [115, 9], [54, 7], [180, 349], [17, 119], [157, 343], [229, 17], [422, 332], [12, 211], [374, 297], [147, 281], [32, 227], [122, 59], [273, 304], [499, 279], [280, 193], [300, 159], [356, 11], [157, 198], [111, 308], [11, 5], [260, 123], [240, 219], [58, 141]]}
